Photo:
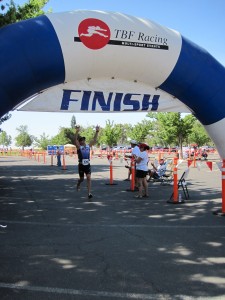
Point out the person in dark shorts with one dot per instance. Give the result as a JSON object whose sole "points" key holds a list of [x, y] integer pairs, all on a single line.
{"points": [[142, 170], [83, 152], [58, 155]]}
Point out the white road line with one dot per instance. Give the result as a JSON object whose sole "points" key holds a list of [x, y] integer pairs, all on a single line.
{"points": [[112, 225], [84, 292], [99, 294]]}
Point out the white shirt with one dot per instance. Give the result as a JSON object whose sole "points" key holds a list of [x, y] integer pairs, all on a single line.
{"points": [[136, 151], [161, 169], [143, 164]]}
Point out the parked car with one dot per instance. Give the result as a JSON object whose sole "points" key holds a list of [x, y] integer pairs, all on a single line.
{"points": [[127, 147], [117, 148], [174, 149], [104, 147]]}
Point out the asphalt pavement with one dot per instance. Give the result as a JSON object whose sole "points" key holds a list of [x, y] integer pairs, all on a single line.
{"points": [[58, 245]]}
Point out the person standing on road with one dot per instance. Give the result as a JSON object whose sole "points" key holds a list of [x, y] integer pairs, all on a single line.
{"points": [[135, 152], [58, 155], [83, 152], [142, 171]]}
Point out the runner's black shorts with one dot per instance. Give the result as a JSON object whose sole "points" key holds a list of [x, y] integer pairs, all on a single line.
{"points": [[84, 169], [141, 173]]}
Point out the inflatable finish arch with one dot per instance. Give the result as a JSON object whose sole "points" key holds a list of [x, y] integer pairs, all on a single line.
{"points": [[95, 61]]}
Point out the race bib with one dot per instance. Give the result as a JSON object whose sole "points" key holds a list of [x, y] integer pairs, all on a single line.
{"points": [[85, 162]]}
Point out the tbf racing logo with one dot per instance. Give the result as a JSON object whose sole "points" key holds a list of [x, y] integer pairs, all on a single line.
{"points": [[94, 33]]}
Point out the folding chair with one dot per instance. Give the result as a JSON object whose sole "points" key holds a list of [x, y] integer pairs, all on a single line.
{"points": [[183, 184], [167, 176]]}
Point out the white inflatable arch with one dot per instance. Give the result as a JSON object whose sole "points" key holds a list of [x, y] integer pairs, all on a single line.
{"points": [[97, 61]]}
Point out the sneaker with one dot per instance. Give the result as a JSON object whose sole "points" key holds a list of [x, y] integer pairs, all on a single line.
{"points": [[90, 196], [138, 197], [145, 196]]}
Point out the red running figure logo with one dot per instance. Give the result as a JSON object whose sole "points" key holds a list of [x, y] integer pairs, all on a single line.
{"points": [[94, 33]]}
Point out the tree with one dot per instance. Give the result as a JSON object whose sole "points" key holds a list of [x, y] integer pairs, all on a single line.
{"points": [[140, 131], [110, 134], [12, 13], [65, 136], [126, 130], [5, 140], [43, 142], [199, 135], [73, 122], [4, 5], [172, 128], [23, 139], [89, 133]]}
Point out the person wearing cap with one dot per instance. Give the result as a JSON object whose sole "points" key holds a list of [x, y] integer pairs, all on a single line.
{"points": [[159, 171], [142, 170], [83, 152], [58, 155], [135, 149], [135, 152]]}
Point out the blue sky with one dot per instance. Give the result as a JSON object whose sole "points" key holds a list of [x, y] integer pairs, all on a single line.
{"points": [[201, 21]]}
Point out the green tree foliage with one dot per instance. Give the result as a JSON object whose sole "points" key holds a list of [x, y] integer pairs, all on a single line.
{"points": [[170, 128], [164, 129], [23, 139], [5, 140], [12, 13], [199, 135], [110, 134], [140, 131], [3, 3], [65, 136], [73, 122], [88, 132], [126, 130], [43, 142]]}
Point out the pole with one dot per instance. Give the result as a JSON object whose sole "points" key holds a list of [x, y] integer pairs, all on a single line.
{"points": [[175, 186], [223, 187], [194, 159], [174, 197], [132, 184], [64, 163], [110, 171], [221, 212], [51, 158]]}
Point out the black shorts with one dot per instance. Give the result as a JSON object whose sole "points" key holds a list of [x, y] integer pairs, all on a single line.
{"points": [[141, 173], [84, 169]]}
